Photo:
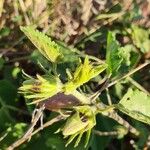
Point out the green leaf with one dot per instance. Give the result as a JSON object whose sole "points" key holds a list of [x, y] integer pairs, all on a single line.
{"points": [[37, 58], [8, 93], [15, 131], [136, 104], [134, 14], [102, 124], [70, 55], [140, 38], [119, 59], [19, 129], [144, 133], [4, 32], [45, 45], [83, 74], [129, 56], [113, 58], [1, 63], [7, 87]]}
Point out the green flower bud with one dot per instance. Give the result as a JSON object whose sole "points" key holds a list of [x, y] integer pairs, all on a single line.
{"points": [[82, 121], [83, 74], [41, 88]]}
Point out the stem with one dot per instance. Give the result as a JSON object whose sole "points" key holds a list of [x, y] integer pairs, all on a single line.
{"points": [[101, 133], [113, 15], [55, 69], [106, 85], [82, 98], [28, 133], [47, 124], [96, 94], [112, 114], [108, 97], [1, 138], [23, 139], [136, 84], [129, 74]]}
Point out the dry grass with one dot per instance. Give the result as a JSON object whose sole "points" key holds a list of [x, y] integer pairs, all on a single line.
{"points": [[65, 20]]}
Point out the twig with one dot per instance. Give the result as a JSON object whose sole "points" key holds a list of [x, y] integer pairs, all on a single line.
{"points": [[107, 85], [102, 133], [1, 138], [129, 74], [28, 133], [96, 95], [22, 6], [112, 16], [112, 114], [108, 97], [18, 41], [134, 145], [1, 7], [52, 121], [136, 84]]}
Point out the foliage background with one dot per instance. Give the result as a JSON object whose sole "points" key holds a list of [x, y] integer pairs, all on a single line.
{"points": [[80, 24]]}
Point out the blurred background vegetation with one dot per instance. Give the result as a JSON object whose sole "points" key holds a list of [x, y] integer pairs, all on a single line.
{"points": [[81, 24]]}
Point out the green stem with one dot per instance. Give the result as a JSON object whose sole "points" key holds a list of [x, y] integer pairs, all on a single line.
{"points": [[82, 98], [106, 109], [55, 69]]}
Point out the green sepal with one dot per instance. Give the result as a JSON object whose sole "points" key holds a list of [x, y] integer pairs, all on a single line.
{"points": [[40, 88], [83, 73], [77, 126]]}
